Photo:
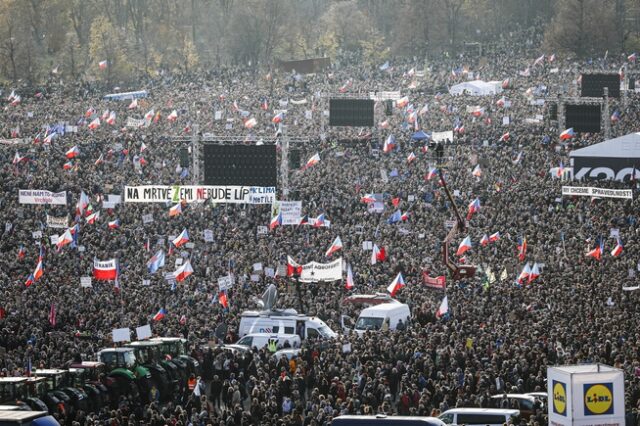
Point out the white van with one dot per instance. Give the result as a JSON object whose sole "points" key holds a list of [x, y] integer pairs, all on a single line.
{"points": [[284, 322], [480, 416], [373, 317], [260, 340]]}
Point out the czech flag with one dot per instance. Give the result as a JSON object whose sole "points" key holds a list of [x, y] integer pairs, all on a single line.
{"points": [[477, 172], [405, 216], [293, 267], [395, 285], [21, 253], [94, 124], [39, 271], [522, 248], [505, 137], [500, 102], [175, 210], [368, 198], [319, 221], [223, 299], [335, 246], [114, 224], [349, 284], [560, 171], [474, 207], [378, 254], [484, 241], [431, 173], [596, 253], [312, 161], [160, 315], [443, 309], [535, 272], [181, 239], [411, 157], [278, 118], [617, 250], [64, 239], [632, 57], [524, 275], [389, 144], [464, 246], [494, 237], [111, 120], [100, 160], [304, 220], [156, 262], [67, 166], [183, 272], [30, 280], [173, 116], [568, 134], [73, 152], [105, 270], [276, 221], [102, 65]]}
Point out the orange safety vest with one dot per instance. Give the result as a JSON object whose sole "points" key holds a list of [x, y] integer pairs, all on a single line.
{"points": [[192, 383]]}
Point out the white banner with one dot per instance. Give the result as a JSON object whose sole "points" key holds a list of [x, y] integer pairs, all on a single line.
{"points": [[314, 271], [199, 194], [442, 136], [57, 222], [40, 196], [383, 96], [136, 122], [291, 211], [15, 141], [85, 282], [589, 191], [208, 235]]}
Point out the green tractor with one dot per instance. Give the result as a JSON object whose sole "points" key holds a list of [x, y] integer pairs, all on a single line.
{"points": [[163, 372], [176, 348], [125, 377]]}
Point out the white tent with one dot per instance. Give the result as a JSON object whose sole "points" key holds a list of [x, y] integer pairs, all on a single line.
{"points": [[615, 159], [477, 88]]}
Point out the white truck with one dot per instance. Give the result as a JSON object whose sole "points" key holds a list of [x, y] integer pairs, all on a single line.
{"points": [[380, 309], [287, 321], [284, 322]]}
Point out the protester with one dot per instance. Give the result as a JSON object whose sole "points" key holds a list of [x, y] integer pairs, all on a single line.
{"points": [[497, 336]]}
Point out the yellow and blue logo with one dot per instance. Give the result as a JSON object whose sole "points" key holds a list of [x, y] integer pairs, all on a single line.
{"points": [[559, 398], [598, 399]]}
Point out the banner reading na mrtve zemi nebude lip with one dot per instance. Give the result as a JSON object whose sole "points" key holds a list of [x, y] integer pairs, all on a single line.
{"points": [[199, 194]]}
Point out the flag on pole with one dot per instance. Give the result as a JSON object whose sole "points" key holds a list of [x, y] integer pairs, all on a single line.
{"points": [[312, 161], [396, 284], [335, 246], [464, 246], [183, 271], [181, 239], [443, 309], [52, 315], [160, 315], [617, 250], [156, 262], [349, 284]]}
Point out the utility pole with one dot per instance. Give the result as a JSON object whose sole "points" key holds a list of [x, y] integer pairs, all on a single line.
{"points": [[607, 116]]}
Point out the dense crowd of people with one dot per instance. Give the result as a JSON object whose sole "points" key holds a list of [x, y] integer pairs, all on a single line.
{"points": [[498, 335]]}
